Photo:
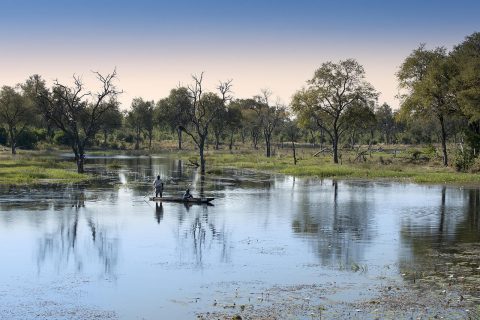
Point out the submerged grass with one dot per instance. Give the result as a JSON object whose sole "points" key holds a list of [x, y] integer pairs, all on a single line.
{"points": [[38, 171]]}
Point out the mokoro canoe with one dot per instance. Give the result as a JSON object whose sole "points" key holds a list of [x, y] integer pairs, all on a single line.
{"points": [[180, 199]]}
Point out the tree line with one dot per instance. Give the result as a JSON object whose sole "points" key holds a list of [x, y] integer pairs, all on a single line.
{"points": [[439, 103]]}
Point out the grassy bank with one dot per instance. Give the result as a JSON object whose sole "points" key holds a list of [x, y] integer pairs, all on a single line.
{"points": [[38, 170], [399, 169]]}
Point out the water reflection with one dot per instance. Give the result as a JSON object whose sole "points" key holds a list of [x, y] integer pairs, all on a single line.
{"points": [[77, 237], [469, 229], [439, 242], [337, 224], [454, 219], [158, 212], [198, 233]]}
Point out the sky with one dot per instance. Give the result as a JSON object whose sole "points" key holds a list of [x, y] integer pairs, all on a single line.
{"points": [[264, 44]]}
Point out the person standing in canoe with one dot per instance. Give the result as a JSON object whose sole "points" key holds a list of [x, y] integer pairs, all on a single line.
{"points": [[158, 184]]}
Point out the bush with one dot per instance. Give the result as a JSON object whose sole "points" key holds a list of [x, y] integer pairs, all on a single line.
{"points": [[62, 139], [414, 154], [127, 137], [475, 167], [430, 151], [41, 134], [464, 159], [27, 139]]}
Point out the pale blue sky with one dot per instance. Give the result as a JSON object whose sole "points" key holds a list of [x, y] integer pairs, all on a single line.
{"points": [[156, 45]]}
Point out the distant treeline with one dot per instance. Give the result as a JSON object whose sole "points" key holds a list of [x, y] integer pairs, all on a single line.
{"points": [[439, 103]]}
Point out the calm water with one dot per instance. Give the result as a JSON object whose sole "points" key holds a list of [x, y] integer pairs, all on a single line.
{"points": [[105, 250]]}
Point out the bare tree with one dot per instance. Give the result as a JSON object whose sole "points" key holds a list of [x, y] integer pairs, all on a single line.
{"points": [[202, 111], [268, 116], [77, 112]]}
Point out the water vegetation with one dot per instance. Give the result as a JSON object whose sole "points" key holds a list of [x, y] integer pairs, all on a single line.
{"points": [[378, 165], [38, 170]]}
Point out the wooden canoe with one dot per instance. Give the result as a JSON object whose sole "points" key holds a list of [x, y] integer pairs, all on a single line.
{"points": [[180, 199]]}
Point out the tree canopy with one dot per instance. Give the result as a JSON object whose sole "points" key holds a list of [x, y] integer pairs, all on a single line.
{"points": [[328, 98]]}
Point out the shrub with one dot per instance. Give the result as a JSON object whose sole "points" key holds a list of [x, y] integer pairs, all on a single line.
{"points": [[414, 154], [464, 159], [27, 139], [475, 167], [62, 139], [430, 151]]}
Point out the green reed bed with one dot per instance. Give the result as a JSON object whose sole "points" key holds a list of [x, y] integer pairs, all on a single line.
{"points": [[38, 171], [322, 167]]}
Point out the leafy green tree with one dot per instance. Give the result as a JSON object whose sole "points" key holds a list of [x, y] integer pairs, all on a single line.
{"points": [[227, 121], [250, 124], [203, 109], [112, 120], [416, 130], [385, 122], [34, 89], [76, 112], [234, 121], [173, 111], [362, 121], [15, 114], [427, 76], [140, 119], [466, 58], [219, 123], [334, 89]]}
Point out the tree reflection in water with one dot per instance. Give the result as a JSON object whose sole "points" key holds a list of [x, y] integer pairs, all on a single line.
{"points": [[199, 234], [442, 243], [337, 222], [453, 221], [61, 246]]}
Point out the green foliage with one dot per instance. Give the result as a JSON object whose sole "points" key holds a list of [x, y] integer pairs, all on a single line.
{"points": [[315, 167], [140, 119], [473, 139], [62, 138], [466, 58], [427, 77], [112, 119], [386, 124], [430, 151], [332, 97], [14, 172], [3, 136], [464, 159], [174, 110], [27, 139], [15, 113]]}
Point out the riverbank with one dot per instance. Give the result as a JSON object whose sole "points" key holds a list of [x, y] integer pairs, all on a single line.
{"points": [[39, 167], [34, 168], [377, 166]]}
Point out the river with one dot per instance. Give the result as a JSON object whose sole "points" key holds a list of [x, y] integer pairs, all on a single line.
{"points": [[104, 251]]}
